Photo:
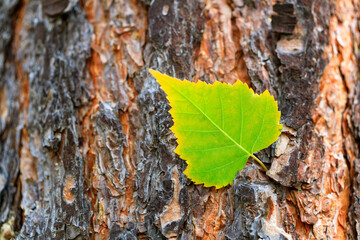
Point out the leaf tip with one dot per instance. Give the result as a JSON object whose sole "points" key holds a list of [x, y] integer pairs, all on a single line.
{"points": [[152, 71], [156, 74]]}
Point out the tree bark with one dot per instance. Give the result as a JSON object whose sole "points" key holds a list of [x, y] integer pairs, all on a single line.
{"points": [[86, 151]]}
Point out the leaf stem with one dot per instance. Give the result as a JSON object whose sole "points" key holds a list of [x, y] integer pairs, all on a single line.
{"points": [[260, 162]]}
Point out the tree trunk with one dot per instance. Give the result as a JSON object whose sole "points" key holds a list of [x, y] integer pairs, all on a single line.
{"points": [[86, 151]]}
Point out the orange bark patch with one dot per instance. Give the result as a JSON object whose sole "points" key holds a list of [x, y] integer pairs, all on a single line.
{"points": [[209, 225], [27, 162], [68, 195], [327, 211], [3, 107], [116, 54], [220, 57], [173, 210]]}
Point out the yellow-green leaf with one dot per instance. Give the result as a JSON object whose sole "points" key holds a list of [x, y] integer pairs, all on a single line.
{"points": [[218, 127]]}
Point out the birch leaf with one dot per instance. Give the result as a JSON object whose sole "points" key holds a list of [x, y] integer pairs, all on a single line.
{"points": [[219, 126]]}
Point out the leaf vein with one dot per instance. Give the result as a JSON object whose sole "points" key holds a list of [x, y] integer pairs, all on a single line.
{"points": [[210, 149]]}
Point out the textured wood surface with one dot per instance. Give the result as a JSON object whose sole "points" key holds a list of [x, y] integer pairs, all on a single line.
{"points": [[85, 146]]}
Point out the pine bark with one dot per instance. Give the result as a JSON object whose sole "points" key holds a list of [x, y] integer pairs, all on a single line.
{"points": [[85, 146]]}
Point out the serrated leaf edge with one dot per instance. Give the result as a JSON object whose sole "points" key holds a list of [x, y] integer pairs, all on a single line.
{"points": [[174, 130]]}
